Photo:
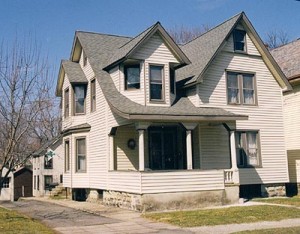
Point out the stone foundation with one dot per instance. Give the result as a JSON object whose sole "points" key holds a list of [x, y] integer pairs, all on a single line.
{"points": [[273, 190], [93, 196], [171, 201]]}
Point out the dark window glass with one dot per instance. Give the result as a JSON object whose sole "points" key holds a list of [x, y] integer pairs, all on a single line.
{"points": [[48, 181], [132, 77], [48, 160], [93, 95], [79, 98], [67, 155], [67, 109], [156, 82], [172, 80], [239, 40], [5, 183]]}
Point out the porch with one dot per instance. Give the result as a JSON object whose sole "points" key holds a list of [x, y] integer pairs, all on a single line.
{"points": [[172, 157]]}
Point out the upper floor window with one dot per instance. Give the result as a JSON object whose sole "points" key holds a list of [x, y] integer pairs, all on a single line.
{"points": [[67, 155], [132, 76], [81, 155], [93, 95], [156, 82], [84, 58], [239, 38], [247, 144], [48, 161], [79, 99], [66, 103], [241, 88], [172, 81]]}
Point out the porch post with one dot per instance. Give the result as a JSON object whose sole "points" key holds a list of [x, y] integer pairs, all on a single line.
{"points": [[141, 150], [234, 168], [189, 152], [189, 149], [111, 153]]}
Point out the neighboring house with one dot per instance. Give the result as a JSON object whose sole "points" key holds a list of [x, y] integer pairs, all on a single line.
{"points": [[48, 164], [288, 58], [148, 124], [18, 184]]}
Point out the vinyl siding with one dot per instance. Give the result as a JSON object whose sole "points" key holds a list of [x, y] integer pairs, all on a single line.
{"points": [[266, 117], [126, 159]]}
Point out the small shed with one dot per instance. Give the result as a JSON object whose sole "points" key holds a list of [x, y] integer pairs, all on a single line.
{"points": [[22, 183]]}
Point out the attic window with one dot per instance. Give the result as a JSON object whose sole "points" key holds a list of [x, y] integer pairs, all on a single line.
{"points": [[132, 76], [239, 38]]}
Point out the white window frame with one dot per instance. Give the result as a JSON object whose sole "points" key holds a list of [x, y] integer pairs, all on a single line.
{"points": [[83, 155]]}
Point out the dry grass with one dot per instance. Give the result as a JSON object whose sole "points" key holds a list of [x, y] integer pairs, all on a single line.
{"points": [[12, 222], [210, 217], [293, 201], [290, 230]]}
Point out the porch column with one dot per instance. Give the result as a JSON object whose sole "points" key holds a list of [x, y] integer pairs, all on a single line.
{"points": [[234, 168], [111, 153], [141, 127], [141, 150], [189, 152]]}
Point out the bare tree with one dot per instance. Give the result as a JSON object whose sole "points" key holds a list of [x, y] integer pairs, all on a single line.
{"points": [[183, 34], [24, 102], [276, 38]]}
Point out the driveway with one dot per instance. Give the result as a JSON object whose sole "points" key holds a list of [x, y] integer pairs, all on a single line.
{"points": [[75, 220]]}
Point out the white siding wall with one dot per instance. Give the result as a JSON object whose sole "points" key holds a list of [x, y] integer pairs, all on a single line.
{"points": [[267, 117], [292, 131]]}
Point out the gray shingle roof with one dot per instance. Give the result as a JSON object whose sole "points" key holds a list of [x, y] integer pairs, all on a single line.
{"points": [[43, 149], [202, 50], [74, 72], [288, 58], [99, 48]]}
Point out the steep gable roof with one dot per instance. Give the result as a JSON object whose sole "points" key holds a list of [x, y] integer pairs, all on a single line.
{"points": [[131, 46], [205, 48]]}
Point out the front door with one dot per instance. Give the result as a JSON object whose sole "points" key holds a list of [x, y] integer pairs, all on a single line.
{"points": [[163, 148]]}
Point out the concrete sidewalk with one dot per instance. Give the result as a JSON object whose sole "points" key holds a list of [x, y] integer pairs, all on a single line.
{"points": [[127, 221]]}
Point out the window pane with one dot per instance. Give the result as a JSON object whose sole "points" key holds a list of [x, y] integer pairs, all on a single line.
{"points": [[156, 91], [248, 96], [67, 156], [232, 80], [156, 74], [239, 40], [248, 86], [81, 163], [233, 95], [172, 81], [252, 149], [66, 103], [133, 77], [81, 146]]}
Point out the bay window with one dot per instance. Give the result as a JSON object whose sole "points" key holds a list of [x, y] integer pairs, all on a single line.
{"points": [[81, 155], [79, 99]]}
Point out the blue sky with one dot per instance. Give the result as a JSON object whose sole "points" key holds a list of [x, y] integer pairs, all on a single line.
{"points": [[53, 22]]}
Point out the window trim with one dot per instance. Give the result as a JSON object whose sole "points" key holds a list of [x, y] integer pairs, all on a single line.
{"points": [[125, 67], [74, 99], [258, 142], [67, 162], [93, 101], [163, 100], [245, 41], [76, 154], [66, 104], [240, 87], [6, 183]]}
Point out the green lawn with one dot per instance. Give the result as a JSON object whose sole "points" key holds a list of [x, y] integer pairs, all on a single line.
{"points": [[12, 222], [290, 230], [245, 214], [294, 201]]}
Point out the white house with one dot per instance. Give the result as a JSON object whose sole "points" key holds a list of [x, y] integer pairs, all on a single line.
{"points": [[48, 166], [288, 58], [7, 190], [149, 124]]}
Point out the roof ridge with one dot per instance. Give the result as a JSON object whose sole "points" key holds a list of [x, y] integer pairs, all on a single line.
{"points": [[218, 25], [293, 41], [148, 29], [104, 34]]}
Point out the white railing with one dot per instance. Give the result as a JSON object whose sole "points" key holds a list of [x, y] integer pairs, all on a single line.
{"points": [[228, 176], [231, 176]]}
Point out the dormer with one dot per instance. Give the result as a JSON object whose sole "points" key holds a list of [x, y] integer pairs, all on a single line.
{"points": [[143, 69]]}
